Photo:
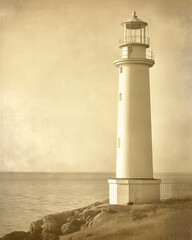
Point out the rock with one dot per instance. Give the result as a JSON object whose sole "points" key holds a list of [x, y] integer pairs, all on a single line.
{"points": [[59, 218], [68, 228], [71, 227], [77, 213], [49, 236], [81, 219], [71, 218], [17, 235], [36, 226], [96, 218], [90, 212], [96, 204], [51, 226], [90, 223], [87, 219], [87, 223], [76, 222], [110, 210], [83, 227], [34, 236]]}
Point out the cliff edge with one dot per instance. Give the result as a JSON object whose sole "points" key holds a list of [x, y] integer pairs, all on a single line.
{"points": [[170, 219]]}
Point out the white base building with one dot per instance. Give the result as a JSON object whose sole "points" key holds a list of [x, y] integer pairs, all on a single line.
{"points": [[124, 191]]}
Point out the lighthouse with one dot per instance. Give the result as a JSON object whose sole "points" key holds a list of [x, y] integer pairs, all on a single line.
{"points": [[134, 182]]}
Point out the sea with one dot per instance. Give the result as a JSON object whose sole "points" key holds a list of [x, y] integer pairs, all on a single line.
{"points": [[28, 196]]}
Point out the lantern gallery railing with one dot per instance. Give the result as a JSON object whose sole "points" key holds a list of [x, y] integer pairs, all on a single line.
{"points": [[127, 54], [135, 39], [176, 188]]}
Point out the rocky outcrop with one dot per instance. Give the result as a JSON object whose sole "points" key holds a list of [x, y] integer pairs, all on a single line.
{"points": [[52, 226], [171, 219], [90, 213], [35, 227], [72, 226], [15, 236]]}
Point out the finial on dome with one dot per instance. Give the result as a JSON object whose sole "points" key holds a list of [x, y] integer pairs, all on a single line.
{"points": [[134, 14]]}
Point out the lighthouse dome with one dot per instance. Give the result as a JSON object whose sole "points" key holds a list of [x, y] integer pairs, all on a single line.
{"points": [[134, 22]]}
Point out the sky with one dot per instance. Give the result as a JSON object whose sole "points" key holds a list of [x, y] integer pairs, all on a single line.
{"points": [[59, 85]]}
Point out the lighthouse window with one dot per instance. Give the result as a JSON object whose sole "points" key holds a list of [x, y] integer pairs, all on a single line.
{"points": [[121, 69], [130, 49], [118, 142], [120, 96]]}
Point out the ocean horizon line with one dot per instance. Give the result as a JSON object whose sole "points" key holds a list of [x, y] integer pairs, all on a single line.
{"points": [[84, 172], [53, 172]]}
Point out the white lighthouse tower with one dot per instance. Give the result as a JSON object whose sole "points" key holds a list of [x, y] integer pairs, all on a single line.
{"points": [[134, 180]]}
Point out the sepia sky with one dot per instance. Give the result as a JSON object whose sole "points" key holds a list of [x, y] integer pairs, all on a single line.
{"points": [[59, 85]]}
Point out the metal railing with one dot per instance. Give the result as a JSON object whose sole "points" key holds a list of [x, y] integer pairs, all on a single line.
{"points": [[135, 39], [126, 54], [176, 188]]}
